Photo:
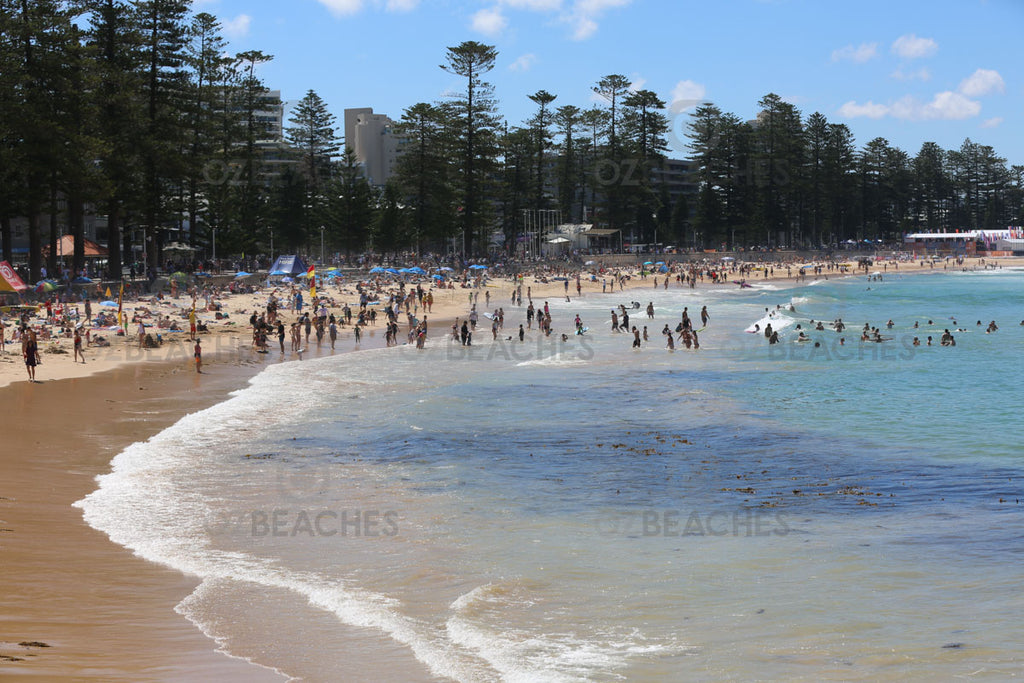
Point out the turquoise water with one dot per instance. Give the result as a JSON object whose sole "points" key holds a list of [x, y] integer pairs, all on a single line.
{"points": [[581, 510]]}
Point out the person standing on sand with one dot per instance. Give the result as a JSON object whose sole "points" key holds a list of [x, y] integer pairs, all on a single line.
{"points": [[198, 351]]}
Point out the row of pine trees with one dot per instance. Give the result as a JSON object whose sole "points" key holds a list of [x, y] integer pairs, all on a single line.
{"points": [[137, 111]]}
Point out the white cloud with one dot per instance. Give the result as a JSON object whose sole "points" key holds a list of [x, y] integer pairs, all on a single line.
{"points": [[342, 8], [636, 82], [982, 82], [401, 5], [856, 54], [523, 62], [489, 21], [535, 5], [583, 15], [869, 109], [345, 8], [921, 74], [237, 27], [912, 47], [686, 95], [992, 123], [944, 106]]}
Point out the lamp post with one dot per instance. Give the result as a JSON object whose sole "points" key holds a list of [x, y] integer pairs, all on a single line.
{"points": [[321, 245], [214, 244], [654, 220]]}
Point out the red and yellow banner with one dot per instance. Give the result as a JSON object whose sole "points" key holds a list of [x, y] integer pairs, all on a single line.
{"points": [[311, 275]]}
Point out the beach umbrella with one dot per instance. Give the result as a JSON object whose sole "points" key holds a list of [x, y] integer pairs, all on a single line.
{"points": [[477, 266], [659, 263], [287, 279], [82, 280], [589, 263], [109, 304], [242, 273], [279, 272], [417, 270], [445, 268], [391, 270], [648, 263], [437, 277], [376, 269], [728, 258], [202, 274], [45, 286], [663, 269]]}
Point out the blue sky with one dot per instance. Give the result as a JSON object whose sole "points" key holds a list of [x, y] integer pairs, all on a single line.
{"points": [[910, 71]]}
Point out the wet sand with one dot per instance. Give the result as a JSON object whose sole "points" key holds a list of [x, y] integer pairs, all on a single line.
{"points": [[104, 614]]}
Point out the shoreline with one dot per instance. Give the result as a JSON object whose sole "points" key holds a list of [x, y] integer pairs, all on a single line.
{"points": [[106, 614], [103, 613]]}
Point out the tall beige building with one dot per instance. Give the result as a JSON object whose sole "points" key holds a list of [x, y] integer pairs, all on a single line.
{"points": [[371, 138]]}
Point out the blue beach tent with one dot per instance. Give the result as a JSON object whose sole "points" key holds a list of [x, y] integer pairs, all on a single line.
{"points": [[288, 265]]}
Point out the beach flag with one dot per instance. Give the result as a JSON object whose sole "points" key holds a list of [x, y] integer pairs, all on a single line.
{"points": [[108, 292], [311, 275], [9, 280], [120, 295]]}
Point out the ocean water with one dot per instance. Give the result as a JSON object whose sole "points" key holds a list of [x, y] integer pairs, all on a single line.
{"points": [[582, 511]]}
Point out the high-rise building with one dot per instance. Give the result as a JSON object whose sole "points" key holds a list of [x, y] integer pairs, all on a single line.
{"points": [[370, 136]]}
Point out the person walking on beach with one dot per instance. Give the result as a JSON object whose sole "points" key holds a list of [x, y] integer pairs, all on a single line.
{"points": [[192, 322], [198, 352], [30, 350], [636, 338], [78, 345], [280, 334]]}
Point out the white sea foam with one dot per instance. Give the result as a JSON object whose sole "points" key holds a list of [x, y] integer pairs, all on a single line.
{"points": [[477, 625], [148, 504], [777, 319]]}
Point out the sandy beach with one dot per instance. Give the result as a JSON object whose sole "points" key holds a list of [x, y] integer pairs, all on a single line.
{"points": [[79, 606]]}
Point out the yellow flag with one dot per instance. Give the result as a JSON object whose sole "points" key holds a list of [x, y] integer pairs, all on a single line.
{"points": [[120, 295], [311, 274], [108, 292]]}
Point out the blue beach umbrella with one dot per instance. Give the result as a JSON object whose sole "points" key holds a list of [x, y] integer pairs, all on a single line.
{"points": [[648, 263], [391, 270], [287, 279], [278, 272], [445, 268], [437, 277], [82, 280], [242, 273], [376, 269], [477, 267], [109, 304]]}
